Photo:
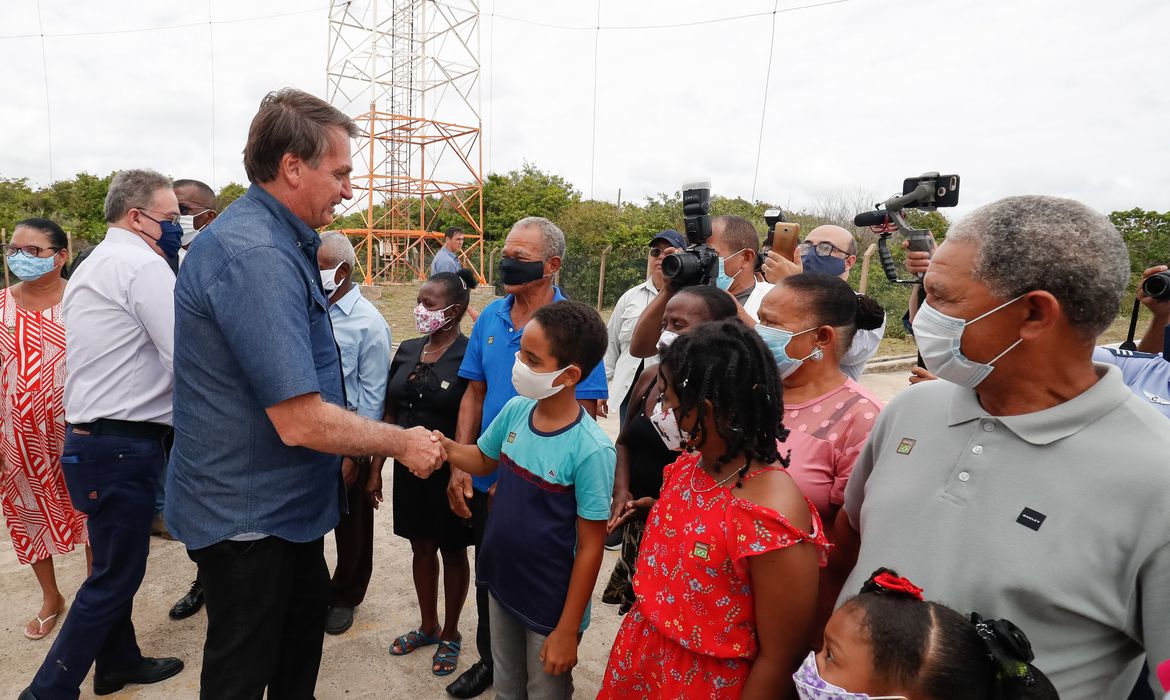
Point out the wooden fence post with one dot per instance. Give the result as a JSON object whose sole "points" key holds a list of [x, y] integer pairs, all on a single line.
{"points": [[601, 276]]}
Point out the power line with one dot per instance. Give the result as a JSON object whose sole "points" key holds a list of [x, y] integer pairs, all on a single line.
{"points": [[48, 106], [764, 108], [676, 25], [158, 28]]}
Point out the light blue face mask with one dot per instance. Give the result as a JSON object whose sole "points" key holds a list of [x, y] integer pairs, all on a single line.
{"points": [[777, 341], [29, 268], [723, 280]]}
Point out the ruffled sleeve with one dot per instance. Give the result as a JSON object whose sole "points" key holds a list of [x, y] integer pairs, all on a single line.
{"points": [[753, 529]]}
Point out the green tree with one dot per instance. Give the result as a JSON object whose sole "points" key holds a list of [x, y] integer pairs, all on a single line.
{"points": [[1147, 235], [525, 192], [228, 194]]}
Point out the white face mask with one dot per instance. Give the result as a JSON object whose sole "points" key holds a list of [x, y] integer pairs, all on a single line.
{"points": [[665, 340], [665, 422], [940, 340], [810, 685], [187, 223], [329, 279], [535, 385]]}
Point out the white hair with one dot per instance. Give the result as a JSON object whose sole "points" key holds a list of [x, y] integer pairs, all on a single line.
{"points": [[552, 238], [337, 248], [1052, 244]]}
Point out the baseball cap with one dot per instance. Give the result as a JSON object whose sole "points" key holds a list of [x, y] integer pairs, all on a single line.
{"points": [[674, 238]]}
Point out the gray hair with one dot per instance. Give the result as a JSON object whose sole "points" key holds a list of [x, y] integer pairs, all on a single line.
{"points": [[1052, 244], [337, 248], [552, 238], [132, 189]]}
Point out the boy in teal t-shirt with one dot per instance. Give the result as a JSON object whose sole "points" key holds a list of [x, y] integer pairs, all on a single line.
{"points": [[545, 536]]}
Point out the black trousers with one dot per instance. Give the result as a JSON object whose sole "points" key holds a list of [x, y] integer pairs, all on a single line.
{"points": [[355, 547], [483, 632], [266, 606]]}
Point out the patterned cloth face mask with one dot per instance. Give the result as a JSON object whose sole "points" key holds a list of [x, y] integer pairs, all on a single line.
{"points": [[665, 422], [427, 321], [810, 685]]}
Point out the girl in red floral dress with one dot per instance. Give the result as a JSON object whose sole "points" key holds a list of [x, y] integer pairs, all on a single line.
{"points": [[726, 582]]}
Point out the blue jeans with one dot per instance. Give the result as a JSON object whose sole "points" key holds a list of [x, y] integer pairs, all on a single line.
{"points": [[112, 480]]}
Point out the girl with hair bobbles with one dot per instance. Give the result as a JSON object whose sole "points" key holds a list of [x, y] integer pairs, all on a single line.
{"points": [[887, 643], [726, 580]]}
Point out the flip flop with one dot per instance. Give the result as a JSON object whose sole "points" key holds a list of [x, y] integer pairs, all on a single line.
{"points": [[446, 657], [413, 640], [51, 621]]}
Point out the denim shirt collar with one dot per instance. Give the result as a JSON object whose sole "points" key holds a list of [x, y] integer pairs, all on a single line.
{"points": [[305, 237]]}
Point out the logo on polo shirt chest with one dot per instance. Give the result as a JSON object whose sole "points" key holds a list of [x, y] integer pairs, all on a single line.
{"points": [[491, 339], [1031, 519], [511, 437], [905, 446]]}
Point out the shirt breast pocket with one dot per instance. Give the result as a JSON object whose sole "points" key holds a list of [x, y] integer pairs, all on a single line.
{"points": [[326, 359], [630, 316]]}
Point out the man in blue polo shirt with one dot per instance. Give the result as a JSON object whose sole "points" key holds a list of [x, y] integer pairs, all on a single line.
{"points": [[254, 480], [533, 252]]}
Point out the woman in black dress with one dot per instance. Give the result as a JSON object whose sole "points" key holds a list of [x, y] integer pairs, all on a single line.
{"points": [[425, 389]]}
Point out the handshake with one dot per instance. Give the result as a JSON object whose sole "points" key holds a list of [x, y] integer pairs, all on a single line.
{"points": [[422, 451]]}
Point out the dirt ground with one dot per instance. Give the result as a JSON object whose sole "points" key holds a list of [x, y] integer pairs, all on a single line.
{"points": [[353, 665]]}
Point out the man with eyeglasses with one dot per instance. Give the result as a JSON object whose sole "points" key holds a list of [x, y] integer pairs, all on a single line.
{"points": [[119, 347], [829, 250]]}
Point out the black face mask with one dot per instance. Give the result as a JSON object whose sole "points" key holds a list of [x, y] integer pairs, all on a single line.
{"points": [[513, 271]]}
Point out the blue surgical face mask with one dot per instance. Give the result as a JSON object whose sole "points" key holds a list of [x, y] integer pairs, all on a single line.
{"points": [[723, 280], [823, 264], [29, 268], [777, 341]]}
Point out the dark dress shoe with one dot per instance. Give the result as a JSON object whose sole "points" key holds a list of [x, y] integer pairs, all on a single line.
{"points": [[147, 671], [189, 604], [338, 620], [473, 682]]}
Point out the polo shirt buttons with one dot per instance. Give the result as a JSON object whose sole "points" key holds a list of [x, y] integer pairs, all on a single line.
{"points": [[964, 476], [978, 449]]}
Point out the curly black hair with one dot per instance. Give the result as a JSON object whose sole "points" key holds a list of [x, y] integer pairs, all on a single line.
{"points": [[576, 334], [726, 363]]}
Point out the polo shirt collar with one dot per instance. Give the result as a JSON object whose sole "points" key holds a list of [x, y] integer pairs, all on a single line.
{"points": [[648, 285], [349, 300], [304, 235], [506, 308], [1051, 424]]}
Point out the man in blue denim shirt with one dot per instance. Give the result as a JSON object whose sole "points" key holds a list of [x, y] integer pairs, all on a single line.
{"points": [[254, 482]]}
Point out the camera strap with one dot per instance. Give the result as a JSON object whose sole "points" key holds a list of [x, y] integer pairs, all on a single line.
{"points": [[1133, 318]]}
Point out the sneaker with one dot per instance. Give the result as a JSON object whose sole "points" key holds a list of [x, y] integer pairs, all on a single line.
{"points": [[613, 541]]}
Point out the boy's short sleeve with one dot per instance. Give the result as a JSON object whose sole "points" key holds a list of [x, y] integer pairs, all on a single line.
{"points": [[491, 442], [593, 482]]}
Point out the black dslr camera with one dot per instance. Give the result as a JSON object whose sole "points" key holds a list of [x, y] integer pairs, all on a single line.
{"points": [[1158, 286], [698, 264]]}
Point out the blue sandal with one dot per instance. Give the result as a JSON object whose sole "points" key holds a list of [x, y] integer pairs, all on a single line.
{"points": [[446, 657], [413, 640]]}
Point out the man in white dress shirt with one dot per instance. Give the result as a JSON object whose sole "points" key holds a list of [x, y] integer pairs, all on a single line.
{"points": [[119, 340]]}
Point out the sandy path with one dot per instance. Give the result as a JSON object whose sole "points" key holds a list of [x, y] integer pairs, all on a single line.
{"points": [[354, 665]]}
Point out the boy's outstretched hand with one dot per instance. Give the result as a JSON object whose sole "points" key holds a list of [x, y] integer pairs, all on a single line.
{"points": [[559, 653]]}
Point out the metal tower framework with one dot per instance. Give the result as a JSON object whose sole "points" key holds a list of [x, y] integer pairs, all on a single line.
{"points": [[407, 63]]}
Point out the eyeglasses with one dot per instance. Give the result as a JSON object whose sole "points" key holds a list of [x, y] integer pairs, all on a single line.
{"points": [[30, 250], [657, 252], [173, 219], [823, 249], [191, 211]]}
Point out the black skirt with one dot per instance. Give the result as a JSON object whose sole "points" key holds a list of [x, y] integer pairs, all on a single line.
{"points": [[427, 395]]}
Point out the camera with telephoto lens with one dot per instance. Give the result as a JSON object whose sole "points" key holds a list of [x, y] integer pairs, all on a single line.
{"points": [[1157, 286], [698, 263]]}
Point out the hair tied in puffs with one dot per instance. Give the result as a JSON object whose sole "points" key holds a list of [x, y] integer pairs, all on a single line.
{"points": [[887, 581], [1007, 647]]}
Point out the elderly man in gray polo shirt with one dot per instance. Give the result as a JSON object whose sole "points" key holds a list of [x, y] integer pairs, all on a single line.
{"points": [[1033, 485]]}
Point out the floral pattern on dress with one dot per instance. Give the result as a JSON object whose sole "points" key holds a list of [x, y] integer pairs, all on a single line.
{"points": [[694, 619]]}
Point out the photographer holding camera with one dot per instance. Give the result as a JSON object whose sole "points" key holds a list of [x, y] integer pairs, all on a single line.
{"points": [[829, 250], [728, 262], [1147, 371]]}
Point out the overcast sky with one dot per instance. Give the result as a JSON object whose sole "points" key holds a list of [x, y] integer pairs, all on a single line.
{"points": [[1064, 97]]}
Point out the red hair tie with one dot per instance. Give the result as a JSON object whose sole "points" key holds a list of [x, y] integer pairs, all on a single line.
{"points": [[891, 582]]}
